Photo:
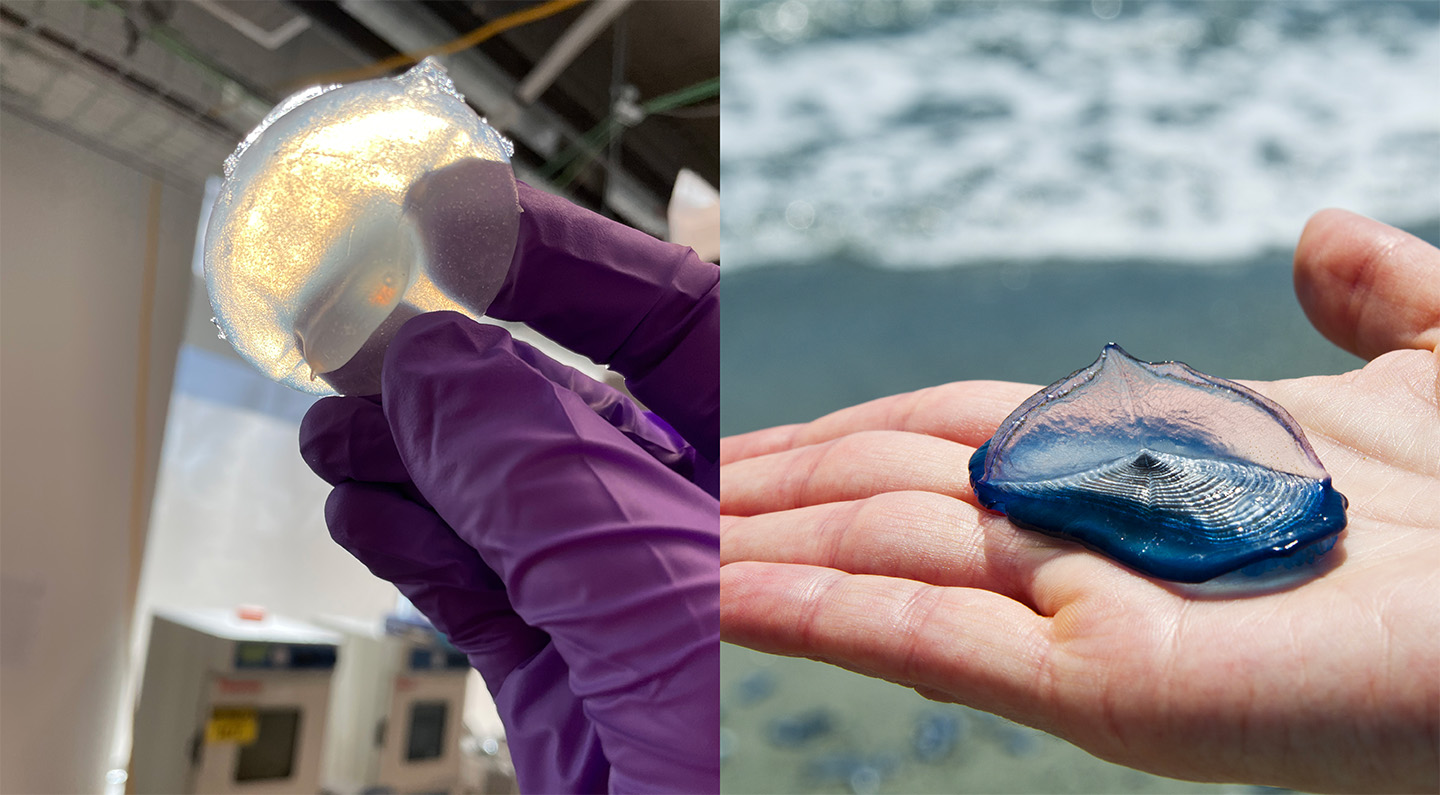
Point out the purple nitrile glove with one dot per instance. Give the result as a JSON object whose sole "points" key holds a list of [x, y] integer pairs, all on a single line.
{"points": [[541, 520]]}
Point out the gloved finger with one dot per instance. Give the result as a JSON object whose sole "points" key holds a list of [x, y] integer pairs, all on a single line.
{"points": [[647, 308], [348, 438], [376, 514], [557, 752], [651, 433], [612, 554], [408, 545], [1368, 287]]}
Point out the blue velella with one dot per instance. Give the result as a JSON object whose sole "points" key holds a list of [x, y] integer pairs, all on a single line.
{"points": [[1174, 473]]}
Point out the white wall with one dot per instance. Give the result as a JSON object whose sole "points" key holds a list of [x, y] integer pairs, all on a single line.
{"points": [[236, 515], [73, 243], [239, 518]]}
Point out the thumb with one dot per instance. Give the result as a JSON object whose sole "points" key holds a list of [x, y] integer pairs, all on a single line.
{"points": [[647, 431], [1368, 287]]}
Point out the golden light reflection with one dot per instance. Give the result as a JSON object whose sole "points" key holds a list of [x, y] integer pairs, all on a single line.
{"points": [[366, 137]]}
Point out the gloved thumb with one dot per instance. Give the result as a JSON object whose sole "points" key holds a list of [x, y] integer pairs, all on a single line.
{"points": [[646, 430]]}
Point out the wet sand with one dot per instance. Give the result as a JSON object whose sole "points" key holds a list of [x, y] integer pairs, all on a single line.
{"points": [[870, 743]]}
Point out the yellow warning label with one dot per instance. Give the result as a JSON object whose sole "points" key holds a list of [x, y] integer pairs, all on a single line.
{"points": [[232, 725]]}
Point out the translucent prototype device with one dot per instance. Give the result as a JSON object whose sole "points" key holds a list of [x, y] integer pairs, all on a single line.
{"points": [[349, 210]]}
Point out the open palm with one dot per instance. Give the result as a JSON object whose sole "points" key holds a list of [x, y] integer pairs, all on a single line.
{"points": [[855, 539]]}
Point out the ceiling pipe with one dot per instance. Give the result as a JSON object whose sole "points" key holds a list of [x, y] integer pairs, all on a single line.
{"points": [[269, 39], [409, 27], [571, 43]]}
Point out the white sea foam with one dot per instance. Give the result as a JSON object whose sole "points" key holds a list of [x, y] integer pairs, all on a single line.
{"points": [[1179, 132]]}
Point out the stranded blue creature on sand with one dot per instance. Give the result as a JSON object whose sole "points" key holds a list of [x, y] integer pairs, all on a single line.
{"points": [[1174, 473]]}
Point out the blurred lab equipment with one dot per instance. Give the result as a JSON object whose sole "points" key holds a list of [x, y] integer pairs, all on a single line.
{"points": [[232, 702], [395, 722], [486, 767]]}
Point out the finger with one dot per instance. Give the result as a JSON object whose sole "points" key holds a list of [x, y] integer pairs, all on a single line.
{"points": [[1368, 287], [992, 647], [647, 308], [406, 544], [851, 467], [927, 538], [348, 438], [913, 535], [965, 411], [609, 552], [761, 442]]}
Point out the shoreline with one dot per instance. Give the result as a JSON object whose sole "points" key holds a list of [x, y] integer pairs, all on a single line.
{"points": [[802, 341]]}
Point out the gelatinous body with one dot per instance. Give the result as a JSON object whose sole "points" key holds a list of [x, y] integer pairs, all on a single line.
{"points": [[1174, 473], [348, 210]]}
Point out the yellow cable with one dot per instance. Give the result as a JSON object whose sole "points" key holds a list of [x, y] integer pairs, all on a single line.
{"points": [[474, 37]]}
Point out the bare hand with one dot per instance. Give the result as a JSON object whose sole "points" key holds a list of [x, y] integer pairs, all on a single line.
{"points": [[855, 540]]}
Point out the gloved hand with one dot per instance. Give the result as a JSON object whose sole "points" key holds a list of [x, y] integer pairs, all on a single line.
{"points": [[539, 519]]}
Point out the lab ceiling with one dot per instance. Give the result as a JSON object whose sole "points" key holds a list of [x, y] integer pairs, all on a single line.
{"points": [[170, 86]]}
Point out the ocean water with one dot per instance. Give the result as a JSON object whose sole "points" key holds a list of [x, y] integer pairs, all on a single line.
{"points": [[920, 191], [928, 134]]}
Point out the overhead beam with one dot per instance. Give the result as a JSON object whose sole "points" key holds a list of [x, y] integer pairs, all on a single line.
{"points": [[568, 47], [269, 39], [410, 27]]}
